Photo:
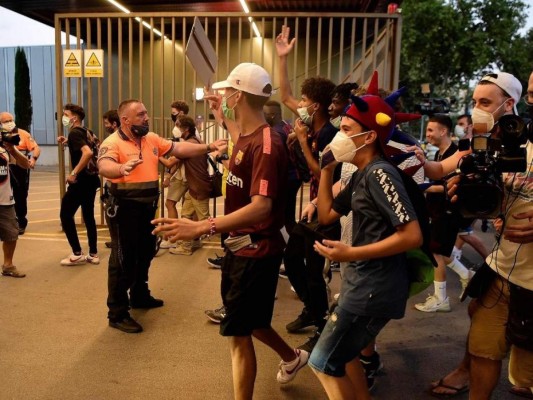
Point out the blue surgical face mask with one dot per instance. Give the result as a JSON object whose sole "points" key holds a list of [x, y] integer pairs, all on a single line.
{"points": [[336, 122], [229, 113], [304, 115]]}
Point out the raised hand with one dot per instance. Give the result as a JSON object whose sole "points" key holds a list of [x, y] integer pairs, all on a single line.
{"points": [[283, 45]]}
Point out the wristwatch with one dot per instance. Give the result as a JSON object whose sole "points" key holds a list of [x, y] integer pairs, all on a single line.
{"points": [[73, 173]]}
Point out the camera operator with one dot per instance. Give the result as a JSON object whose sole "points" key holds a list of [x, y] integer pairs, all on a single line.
{"points": [[8, 221], [501, 311], [20, 177]]}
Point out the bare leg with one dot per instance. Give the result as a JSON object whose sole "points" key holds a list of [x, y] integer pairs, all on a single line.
{"points": [[343, 388], [484, 376], [244, 366], [271, 338], [356, 373], [9, 251], [369, 350], [440, 271], [477, 245], [171, 208]]}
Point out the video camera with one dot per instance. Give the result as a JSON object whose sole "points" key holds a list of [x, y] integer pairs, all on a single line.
{"points": [[10, 137], [480, 191], [432, 106]]}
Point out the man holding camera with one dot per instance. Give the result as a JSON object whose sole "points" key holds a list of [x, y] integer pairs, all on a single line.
{"points": [[8, 220], [501, 313], [20, 177]]}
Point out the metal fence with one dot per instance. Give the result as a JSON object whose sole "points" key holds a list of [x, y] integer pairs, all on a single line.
{"points": [[144, 57]]}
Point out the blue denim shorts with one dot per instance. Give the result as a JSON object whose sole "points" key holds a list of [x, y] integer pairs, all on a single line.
{"points": [[342, 339]]}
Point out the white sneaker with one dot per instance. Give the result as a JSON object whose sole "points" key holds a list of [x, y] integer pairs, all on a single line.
{"points": [[464, 282], [73, 259], [433, 304], [95, 260], [287, 370], [165, 244]]}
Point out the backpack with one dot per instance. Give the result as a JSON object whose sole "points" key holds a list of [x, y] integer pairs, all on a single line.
{"points": [[94, 144]]}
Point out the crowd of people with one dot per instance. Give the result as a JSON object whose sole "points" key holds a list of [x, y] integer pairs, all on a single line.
{"points": [[363, 214]]}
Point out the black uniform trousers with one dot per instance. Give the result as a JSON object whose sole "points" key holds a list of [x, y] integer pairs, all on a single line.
{"points": [[132, 251]]}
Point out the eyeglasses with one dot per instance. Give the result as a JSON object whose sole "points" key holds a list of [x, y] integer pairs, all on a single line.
{"points": [[526, 98]]}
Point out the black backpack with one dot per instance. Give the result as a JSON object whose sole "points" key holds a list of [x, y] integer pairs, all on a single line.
{"points": [[94, 144]]}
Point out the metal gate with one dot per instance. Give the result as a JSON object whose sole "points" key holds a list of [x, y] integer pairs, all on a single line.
{"points": [[144, 58]]}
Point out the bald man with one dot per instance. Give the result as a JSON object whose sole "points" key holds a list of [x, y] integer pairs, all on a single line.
{"points": [[20, 177]]}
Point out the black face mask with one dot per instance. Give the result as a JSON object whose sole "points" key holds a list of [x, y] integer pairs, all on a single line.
{"points": [[174, 117], [140, 130]]}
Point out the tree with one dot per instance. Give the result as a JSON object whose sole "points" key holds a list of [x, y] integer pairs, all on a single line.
{"points": [[23, 104], [451, 43]]}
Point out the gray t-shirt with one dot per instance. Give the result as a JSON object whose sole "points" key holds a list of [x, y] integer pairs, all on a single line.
{"points": [[379, 201]]}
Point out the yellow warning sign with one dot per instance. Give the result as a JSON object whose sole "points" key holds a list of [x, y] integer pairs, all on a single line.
{"points": [[72, 63], [94, 63]]}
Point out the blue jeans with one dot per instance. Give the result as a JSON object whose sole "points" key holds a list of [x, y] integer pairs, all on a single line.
{"points": [[342, 339]]}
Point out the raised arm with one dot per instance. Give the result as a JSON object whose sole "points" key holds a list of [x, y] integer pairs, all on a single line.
{"points": [[283, 48]]}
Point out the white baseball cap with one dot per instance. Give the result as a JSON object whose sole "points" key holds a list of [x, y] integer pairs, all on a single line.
{"points": [[507, 83], [248, 77]]}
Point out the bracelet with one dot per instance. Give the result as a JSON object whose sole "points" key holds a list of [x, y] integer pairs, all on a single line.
{"points": [[208, 148], [120, 170], [212, 227], [313, 204]]}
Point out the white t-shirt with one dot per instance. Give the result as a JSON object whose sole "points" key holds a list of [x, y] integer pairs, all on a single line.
{"points": [[514, 261]]}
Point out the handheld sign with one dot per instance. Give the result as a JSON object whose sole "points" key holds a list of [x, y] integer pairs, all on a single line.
{"points": [[201, 54]]}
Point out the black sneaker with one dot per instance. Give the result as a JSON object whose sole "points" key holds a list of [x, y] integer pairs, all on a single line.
{"points": [[216, 262], [150, 302], [128, 325], [311, 342], [372, 366], [216, 315], [304, 320]]}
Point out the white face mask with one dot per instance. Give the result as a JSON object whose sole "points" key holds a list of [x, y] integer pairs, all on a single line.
{"points": [[8, 126], [336, 122], [304, 115], [176, 132], [459, 131], [67, 123], [343, 148], [484, 118]]}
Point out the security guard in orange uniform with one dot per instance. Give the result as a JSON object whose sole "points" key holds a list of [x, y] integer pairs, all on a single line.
{"points": [[129, 160]]}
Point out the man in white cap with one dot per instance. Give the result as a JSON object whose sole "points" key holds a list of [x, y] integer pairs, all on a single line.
{"points": [[502, 317], [254, 215]]}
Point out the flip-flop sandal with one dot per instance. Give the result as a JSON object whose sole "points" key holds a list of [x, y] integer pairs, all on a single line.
{"points": [[457, 391], [13, 272], [521, 391]]}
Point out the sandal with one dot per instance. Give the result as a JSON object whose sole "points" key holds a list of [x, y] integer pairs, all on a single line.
{"points": [[13, 272], [522, 392], [456, 390]]}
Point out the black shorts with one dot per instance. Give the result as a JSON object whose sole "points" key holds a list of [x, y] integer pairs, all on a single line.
{"points": [[248, 291], [444, 230]]}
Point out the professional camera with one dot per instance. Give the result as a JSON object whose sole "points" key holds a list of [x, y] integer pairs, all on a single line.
{"points": [[480, 191], [9, 137], [432, 106]]}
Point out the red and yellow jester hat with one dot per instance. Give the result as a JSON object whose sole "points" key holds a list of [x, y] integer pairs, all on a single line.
{"points": [[377, 114]]}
